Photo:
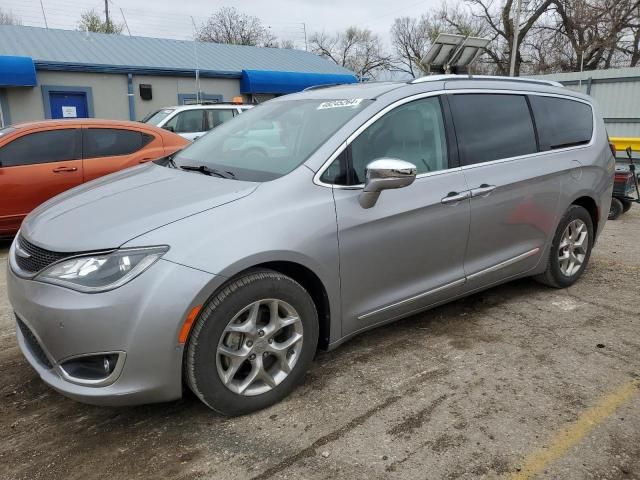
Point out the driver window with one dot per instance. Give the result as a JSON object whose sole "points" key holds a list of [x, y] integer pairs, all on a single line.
{"points": [[189, 121], [413, 132]]}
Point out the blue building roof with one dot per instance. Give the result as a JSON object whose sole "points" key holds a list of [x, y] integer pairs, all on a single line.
{"points": [[71, 50]]}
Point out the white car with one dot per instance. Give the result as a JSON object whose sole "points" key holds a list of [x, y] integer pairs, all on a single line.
{"points": [[193, 121]]}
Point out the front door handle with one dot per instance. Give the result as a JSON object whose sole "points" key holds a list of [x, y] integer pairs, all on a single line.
{"points": [[145, 160], [455, 197], [64, 169], [483, 190]]}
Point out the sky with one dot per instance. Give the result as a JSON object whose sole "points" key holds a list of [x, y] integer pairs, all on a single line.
{"points": [[171, 19]]}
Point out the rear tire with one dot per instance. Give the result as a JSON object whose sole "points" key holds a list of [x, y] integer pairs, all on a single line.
{"points": [[252, 343], [616, 209], [626, 205], [570, 249]]}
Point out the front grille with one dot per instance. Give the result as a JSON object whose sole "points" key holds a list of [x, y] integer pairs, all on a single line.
{"points": [[33, 344], [38, 258]]}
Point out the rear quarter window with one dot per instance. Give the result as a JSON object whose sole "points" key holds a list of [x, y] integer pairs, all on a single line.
{"points": [[561, 122], [110, 142]]}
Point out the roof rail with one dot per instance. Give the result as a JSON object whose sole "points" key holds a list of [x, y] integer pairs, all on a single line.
{"points": [[435, 78], [324, 85]]}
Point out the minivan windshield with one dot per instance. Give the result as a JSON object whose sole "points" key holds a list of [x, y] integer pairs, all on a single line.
{"points": [[155, 118], [270, 140]]}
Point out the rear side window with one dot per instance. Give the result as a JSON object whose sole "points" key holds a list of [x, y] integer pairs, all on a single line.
{"points": [[492, 126], [561, 122], [42, 147], [213, 118], [111, 142]]}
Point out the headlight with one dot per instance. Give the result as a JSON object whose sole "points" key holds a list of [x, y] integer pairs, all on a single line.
{"points": [[101, 272]]}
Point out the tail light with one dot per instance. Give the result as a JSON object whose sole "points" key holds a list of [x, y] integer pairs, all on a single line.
{"points": [[613, 148]]}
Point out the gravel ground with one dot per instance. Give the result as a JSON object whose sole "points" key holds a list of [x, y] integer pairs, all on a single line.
{"points": [[515, 381]]}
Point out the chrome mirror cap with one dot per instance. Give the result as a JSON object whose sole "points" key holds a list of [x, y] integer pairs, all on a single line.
{"points": [[384, 174]]}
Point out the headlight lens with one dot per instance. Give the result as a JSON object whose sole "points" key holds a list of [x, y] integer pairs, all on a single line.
{"points": [[101, 272]]}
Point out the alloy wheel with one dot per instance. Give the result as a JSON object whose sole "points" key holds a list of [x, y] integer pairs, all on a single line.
{"points": [[259, 347], [573, 247]]}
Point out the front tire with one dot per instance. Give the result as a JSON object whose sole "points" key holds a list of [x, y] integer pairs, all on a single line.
{"points": [[252, 343], [570, 249], [626, 205]]}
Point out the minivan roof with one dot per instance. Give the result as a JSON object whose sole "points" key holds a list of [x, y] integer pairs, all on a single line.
{"points": [[373, 90], [369, 90]]}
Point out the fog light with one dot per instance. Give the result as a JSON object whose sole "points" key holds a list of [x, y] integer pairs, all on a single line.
{"points": [[91, 367]]}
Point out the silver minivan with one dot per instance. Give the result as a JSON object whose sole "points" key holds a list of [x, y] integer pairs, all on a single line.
{"points": [[224, 268]]}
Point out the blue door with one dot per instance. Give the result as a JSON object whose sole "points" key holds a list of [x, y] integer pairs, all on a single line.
{"points": [[68, 105]]}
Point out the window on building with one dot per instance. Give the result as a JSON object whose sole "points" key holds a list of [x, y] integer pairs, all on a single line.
{"points": [[110, 142], [492, 126], [42, 147]]}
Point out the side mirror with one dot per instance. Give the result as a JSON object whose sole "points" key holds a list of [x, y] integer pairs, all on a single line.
{"points": [[629, 152], [169, 127], [385, 174]]}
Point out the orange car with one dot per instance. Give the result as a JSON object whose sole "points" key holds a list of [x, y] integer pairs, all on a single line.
{"points": [[41, 159]]}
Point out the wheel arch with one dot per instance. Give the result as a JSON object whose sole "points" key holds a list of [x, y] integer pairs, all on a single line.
{"points": [[312, 284], [590, 205], [306, 277]]}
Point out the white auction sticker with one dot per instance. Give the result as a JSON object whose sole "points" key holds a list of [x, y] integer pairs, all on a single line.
{"points": [[340, 103]]}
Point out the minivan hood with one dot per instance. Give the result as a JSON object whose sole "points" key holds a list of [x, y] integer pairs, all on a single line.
{"points": [[110, 211]]}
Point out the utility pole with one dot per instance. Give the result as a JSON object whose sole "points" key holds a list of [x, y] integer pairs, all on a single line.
{"points": [[516, 33], [304, 28], [106, 14], [195, 53]]}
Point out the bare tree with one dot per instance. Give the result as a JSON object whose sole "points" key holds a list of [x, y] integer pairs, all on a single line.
{"points": [[357, 49], [411, 38], [90, 21], [8, 18], [595, 29], [631, 45], [288, 44], [228, 25]]}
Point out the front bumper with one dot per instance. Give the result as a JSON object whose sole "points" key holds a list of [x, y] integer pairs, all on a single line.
{"points": [[141, 319]]}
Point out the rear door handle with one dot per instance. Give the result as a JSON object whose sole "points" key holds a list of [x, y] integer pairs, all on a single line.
{"points": [[483, 190], [145, 160], [455, 197], [65, 169]]}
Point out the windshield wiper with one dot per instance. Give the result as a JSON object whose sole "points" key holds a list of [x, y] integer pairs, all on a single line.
{"points": [[208, 171]]}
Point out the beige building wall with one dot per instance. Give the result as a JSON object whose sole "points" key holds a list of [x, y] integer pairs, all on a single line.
{"points": [[110, 93], [165, 90]]}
